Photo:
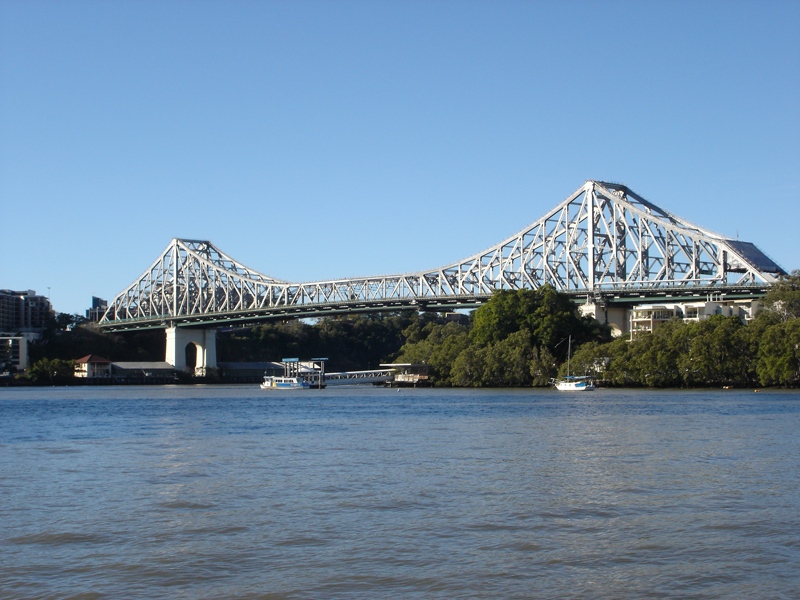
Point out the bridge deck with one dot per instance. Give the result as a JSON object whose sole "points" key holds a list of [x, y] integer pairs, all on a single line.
{"points": [[625, 296]]}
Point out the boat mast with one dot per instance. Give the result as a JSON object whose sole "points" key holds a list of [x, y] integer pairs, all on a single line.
{"points": [[569, 354]]}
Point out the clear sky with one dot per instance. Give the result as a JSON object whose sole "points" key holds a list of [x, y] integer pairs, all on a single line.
{"points": [[315, 140]]}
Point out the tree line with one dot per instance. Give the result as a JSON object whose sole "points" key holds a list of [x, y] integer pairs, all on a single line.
{"points": [[719, 351], [351, 342], [518, 339]]}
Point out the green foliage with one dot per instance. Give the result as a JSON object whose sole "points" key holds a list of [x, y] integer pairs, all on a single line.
{"points": [[516, 339], [508, 361], [468, 368], [87, 339], [352, 342], [783, 299], [500, 364], [719, 351], [656, 356], [55, 371], [543, 366], [447, 343], [555, 319], [548, 316], [614, 362], [437, 344], [779, 354], [503, 315]]}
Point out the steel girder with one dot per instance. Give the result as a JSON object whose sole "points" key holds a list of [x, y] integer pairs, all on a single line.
{"points": [[602, 238]]}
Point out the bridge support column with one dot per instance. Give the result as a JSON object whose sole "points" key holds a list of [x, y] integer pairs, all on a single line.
{"points": [[615, 316], [179, 339]]}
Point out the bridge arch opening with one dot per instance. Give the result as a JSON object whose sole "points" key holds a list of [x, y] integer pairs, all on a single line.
{"points": [[191, 352], [192, 349]]}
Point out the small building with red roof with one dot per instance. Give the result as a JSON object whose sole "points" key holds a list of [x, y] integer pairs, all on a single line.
{"points": [[92, 365]]}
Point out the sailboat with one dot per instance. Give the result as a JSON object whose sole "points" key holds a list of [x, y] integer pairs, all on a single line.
{"points": [[572, 383]]}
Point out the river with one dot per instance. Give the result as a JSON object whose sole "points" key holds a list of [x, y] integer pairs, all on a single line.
{"points": [[233, 492]]}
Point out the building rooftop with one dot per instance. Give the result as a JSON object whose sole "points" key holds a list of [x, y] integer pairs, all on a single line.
{"points": [[144, 365], [94, 359]]}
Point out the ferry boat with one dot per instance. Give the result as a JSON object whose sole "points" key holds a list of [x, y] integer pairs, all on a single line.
{"points": [[284, 383]]}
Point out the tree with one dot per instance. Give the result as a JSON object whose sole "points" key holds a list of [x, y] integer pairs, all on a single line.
{"points": [[47, 371], [717, 351], [352, 342], [779, 354], [446, 343], [751, 337], [516, 339], [507, 362], [505, 313], [549, 316], [554, 320], [437, 344], [87, 339], [783, 298], [612, 362], [468, 367], [542, 366]]}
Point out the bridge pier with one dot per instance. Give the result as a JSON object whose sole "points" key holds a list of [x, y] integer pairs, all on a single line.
{"points": [[616, 316], [180, 341]]}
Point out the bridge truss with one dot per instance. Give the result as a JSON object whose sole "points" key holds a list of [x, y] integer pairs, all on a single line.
{"points": [[603, 239]]}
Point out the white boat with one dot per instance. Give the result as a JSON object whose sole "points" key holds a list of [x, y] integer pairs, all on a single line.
{"points": [[575, 384], [284, 383], [571, 383]]}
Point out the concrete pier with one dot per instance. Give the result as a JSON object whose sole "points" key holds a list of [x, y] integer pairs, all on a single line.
{"points": [[205, 342]]}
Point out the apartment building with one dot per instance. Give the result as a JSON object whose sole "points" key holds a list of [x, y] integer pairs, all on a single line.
{"points": [[644, 318]]}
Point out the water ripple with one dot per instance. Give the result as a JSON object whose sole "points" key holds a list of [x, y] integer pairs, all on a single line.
{"points": [[218, 492]]}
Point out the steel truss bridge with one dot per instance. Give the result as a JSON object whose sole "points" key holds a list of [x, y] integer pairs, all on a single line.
{"points": [[603, 242]]}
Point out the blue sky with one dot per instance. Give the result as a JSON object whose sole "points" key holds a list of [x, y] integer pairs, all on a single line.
{"points": [[319, 140]]}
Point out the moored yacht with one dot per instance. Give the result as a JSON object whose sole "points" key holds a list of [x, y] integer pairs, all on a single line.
{"points": [[574, 384], [571, 383]]}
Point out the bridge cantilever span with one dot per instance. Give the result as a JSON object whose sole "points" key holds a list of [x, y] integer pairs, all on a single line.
{"points": [[602, 239]]}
